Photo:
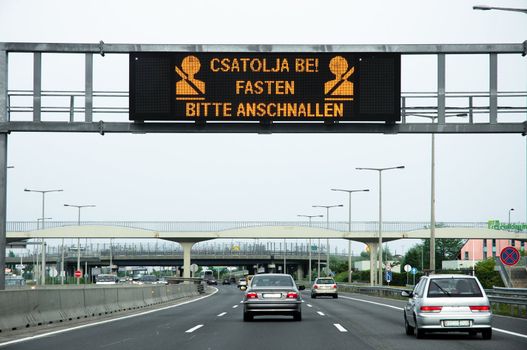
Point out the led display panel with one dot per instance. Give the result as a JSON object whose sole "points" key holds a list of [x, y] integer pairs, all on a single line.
{"points": [[221, 86]]}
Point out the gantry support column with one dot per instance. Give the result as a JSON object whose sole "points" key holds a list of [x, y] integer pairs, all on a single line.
{"points": [[3, 165]]}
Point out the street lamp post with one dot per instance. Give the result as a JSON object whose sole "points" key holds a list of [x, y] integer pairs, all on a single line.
{"points": [[327, 207], [309, 249], [486, 8], [380, 170], [349, 225], [43, 192], [79, 207], [511, 209], [432, 189]]}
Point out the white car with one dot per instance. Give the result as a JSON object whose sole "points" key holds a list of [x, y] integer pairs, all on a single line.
{"points": [[242, 282]]}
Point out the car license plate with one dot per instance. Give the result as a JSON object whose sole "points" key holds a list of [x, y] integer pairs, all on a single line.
{"points": [[457, 323], [272, 295]]}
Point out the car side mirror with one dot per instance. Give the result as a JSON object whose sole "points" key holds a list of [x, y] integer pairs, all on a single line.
{"points": [[243, 288], [407, 294], [301, 287]]}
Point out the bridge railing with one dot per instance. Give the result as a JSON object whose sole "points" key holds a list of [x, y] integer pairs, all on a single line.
{"points": [[217, 226]]}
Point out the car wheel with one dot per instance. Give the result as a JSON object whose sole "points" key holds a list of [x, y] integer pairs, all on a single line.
{"points": [[487, 333], [297, 316], [313, 296], [409, 329], [335, 296], [247, 317]]}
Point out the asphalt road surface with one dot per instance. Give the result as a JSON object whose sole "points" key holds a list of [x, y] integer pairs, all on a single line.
{"points": [[352, 321]]}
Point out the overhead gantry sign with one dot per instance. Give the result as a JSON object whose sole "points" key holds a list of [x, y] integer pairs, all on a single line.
{"points": [[247, 86]]}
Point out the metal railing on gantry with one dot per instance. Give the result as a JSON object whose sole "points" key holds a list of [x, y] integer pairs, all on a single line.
{"points": [[217, 226]]}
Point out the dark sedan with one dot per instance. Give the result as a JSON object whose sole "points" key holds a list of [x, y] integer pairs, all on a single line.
{"points": [[272, 294]]}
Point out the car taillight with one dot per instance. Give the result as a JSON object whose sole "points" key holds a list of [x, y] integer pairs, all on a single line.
{"points": [[431, 308], [292, 295], [480, 308], [334, 286], [315, 286], [252, 295]]}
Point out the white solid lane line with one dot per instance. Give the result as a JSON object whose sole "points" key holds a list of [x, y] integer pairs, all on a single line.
{"points": [[509, 332], [235, 306], [320, 313], [400, 308], [223, 313], [309, 305], [340, 328], [103, 322], [194, 328]]}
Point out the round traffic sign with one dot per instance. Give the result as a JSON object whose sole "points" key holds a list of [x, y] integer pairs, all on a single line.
{"points": [[78, 273], [53, 272], [413, 271], [509, 256], [407, 268], [193, 268]]}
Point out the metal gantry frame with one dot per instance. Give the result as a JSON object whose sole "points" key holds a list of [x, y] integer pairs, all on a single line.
{"points": [[440, 109]]}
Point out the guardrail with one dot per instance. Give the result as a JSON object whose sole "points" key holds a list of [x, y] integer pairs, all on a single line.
{"points": [[511, 301]]}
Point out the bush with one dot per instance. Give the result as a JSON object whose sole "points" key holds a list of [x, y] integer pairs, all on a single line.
{"points": [[486, 274]]}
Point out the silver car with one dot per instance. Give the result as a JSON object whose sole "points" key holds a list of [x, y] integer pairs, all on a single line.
{"points": [[272, 294], [448, 303]]}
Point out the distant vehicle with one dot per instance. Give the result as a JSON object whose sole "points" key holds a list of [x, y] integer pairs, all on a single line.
{"points": [[272, 294], [106, 279], [14, 281], [448, 303], [162, 280], [146, 279], [242, 282], [226, 281], [212, 281], [324, 286], [232, 280]]}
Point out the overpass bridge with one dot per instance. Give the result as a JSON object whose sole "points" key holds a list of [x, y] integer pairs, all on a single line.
{"points": [[189, 233]]}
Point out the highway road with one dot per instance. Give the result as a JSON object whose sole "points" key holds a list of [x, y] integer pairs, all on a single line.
{"points": [[352, 321]]}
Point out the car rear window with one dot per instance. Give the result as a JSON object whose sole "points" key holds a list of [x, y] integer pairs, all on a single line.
{"points": [[272, 281], [453, 287], [325, 281]]}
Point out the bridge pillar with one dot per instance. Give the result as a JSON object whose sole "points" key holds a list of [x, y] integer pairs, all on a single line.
{"points": [[300, 272], [373, 262], [187, 247]]}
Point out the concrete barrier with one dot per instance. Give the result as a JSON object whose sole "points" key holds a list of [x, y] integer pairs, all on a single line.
{"points": [[34, 307]]}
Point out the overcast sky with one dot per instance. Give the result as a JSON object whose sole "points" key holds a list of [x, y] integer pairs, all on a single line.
{"points": [[265, 177]]}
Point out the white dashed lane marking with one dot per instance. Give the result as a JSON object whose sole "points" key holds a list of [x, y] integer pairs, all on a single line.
{"points": [[309, 305], [340, 328], [235, 306], [194, 328], [320, 313], [222, 314]]}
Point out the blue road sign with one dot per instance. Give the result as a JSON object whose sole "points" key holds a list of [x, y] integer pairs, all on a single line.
{"points": [[413, 271], [388, 276]]}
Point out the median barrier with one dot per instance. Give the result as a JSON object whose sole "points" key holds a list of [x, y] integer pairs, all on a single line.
{"points": [[44, 306], [14, 309], [95, 302], [34, 307], [72, 304]]}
